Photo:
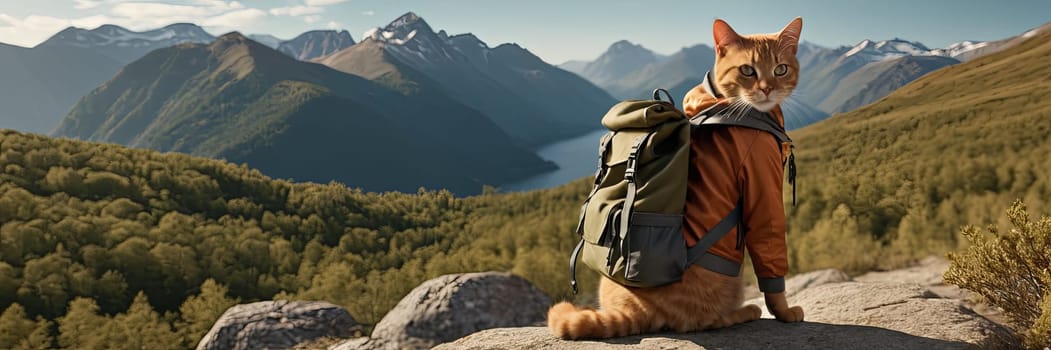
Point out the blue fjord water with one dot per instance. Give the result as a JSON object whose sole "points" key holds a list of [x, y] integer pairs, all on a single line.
{"points": [[576, 158]]}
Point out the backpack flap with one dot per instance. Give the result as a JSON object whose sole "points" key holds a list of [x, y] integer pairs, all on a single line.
{"points": [[640, 114]]}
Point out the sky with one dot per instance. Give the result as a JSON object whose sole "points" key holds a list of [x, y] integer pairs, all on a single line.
{"points": [[556, 31]]}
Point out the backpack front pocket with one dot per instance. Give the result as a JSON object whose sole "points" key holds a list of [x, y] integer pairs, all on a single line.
{"points": [[654, 249]]}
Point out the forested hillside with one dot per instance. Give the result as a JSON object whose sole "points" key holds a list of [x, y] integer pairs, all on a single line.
{"points": [[86, 227]]}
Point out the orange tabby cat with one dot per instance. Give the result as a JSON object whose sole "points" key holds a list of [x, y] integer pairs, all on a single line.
{"points": [[760, 71]]}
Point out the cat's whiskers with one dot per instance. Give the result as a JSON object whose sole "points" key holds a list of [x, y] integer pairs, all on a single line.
{"points": [[739, 108]]}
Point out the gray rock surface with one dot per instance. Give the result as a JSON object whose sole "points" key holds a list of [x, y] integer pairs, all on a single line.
{"points": [[799, 282], [452, 306], [928, 273], [278, 324], [907, 308], [884, 310], [762, 334]]}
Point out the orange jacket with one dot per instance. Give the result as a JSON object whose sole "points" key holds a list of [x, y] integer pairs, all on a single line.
{"points": [[738, 162]]}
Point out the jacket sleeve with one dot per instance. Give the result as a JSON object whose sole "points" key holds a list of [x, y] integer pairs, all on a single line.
{"points": [[764, 213]]}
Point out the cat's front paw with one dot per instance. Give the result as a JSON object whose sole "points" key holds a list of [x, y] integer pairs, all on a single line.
{"points": [[792, 314]]}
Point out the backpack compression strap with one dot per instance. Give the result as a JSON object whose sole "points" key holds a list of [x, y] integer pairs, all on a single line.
{"points": [[604, 147], [699, 255]]}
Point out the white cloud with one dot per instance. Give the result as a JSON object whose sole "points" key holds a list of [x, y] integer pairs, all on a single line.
{"points": [[215, 15], [91, 22], [91, 4], [235, 19], [86, 4], [296, 11], [322, 2], [164, 10], [312, 18], [30, 30], [369, 13], [333, 25]]}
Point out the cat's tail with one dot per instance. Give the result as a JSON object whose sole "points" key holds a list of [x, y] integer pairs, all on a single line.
{"points": [[567, 321]]}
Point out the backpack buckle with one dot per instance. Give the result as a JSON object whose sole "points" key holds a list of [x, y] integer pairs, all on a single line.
{"points": [[633, 157], [629, 174]]}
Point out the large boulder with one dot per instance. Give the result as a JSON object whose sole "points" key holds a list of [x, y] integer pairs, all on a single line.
{"points": [[452, 306], [278, 324]]}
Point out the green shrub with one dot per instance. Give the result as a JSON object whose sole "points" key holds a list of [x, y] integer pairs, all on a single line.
{"points": [[835, 242], [1040, 333], [1012, 271]]}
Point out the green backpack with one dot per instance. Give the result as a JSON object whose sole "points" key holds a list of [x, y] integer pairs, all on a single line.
{"points": [[631, 222]]}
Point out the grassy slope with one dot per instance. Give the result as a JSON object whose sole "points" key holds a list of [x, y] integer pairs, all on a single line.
{"points": [[952, 148]]}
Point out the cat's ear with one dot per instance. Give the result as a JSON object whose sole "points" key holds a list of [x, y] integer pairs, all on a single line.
{"points": [[789, 36], [724, 36]]}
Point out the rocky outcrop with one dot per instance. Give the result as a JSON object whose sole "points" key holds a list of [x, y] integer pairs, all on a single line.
{"points": [[884, 310], [907, 308], [803, 281], [811, 279], [762, 334], [452, 306], [928, 273], [278, 324]]}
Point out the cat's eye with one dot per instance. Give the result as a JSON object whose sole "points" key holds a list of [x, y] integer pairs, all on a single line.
{"points": [[747, 70], [780, 70]]}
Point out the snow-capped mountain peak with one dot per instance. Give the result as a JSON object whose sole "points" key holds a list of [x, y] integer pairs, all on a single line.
{"points": [[886, 49], [401, 31], [958, 49], [115, 36], [412, 39]]}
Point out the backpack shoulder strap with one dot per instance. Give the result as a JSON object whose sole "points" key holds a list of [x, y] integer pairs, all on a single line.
{"points": [[751, 118]]}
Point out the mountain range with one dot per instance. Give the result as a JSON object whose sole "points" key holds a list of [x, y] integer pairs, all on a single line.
{"points": [[41, 84], [831, 81], [445, 111], [316, 43], [534, 102], [630, 71], [245, 102]]}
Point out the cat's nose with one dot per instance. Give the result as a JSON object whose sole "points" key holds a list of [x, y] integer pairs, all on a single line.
{"points": [[765, 90]]}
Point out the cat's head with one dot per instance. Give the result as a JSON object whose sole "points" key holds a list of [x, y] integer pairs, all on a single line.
{"points": [[759, 69]]}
